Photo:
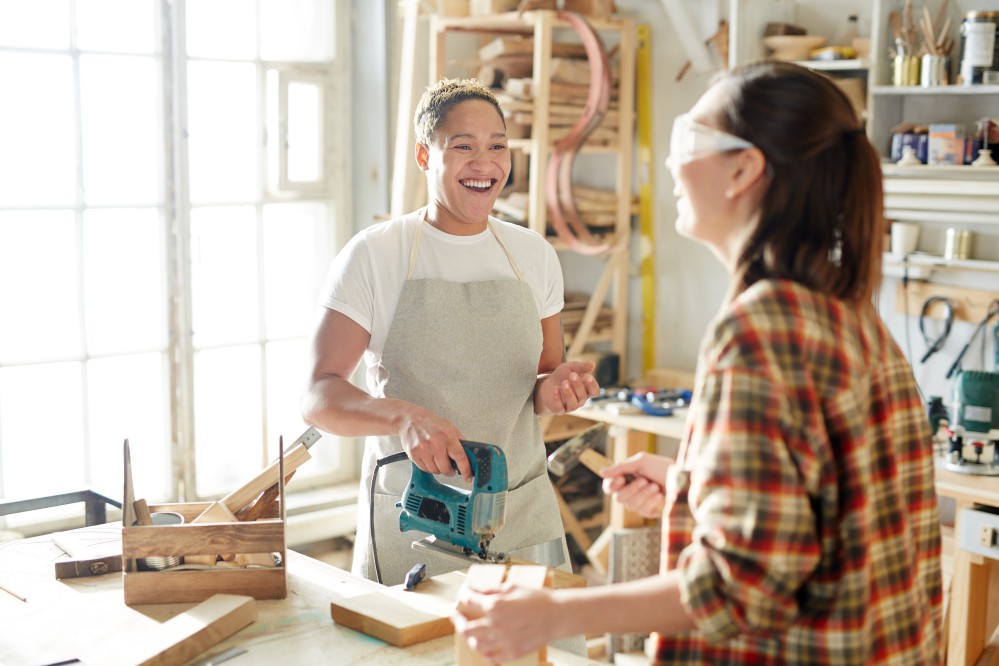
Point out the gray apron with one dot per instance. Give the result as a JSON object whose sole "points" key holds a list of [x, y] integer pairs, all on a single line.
{"points": [[469, 353]]}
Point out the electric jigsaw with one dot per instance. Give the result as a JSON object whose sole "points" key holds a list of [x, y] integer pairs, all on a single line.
{"points": [[460, 522]]}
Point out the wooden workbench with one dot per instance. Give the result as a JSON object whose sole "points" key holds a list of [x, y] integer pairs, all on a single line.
{"points": [[65, 620], [974, 592]]}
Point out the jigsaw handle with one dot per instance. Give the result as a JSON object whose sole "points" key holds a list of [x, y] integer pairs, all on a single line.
{"points": [[488, 465]]}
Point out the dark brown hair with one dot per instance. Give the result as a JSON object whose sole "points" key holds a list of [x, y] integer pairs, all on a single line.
{"points": [[821, 221], [440, 97]]}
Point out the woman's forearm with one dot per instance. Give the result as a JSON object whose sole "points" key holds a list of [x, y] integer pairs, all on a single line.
{"points": [[639, 606], [336, 406]]}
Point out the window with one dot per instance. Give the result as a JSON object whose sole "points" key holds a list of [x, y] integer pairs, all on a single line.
{"points": [[171, 193]]}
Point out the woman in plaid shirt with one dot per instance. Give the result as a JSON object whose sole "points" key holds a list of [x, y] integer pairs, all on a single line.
{"points": [[800, 521]]}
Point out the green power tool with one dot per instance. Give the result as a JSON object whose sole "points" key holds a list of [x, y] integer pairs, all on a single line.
{"points": [[465, 519], [974, 423]]}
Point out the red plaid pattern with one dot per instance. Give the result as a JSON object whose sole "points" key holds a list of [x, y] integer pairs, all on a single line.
{"points": [[801, 511]]}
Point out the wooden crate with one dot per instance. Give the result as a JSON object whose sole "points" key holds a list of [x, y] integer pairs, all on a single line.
{"points": [[266, 535]]}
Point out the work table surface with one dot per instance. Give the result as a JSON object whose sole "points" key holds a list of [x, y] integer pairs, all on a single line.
{"points": [[65, 620]]}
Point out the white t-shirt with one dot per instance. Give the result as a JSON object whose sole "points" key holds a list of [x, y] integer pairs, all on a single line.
{"points": [[366, 277]]}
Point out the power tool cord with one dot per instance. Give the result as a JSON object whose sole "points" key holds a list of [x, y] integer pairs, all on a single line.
{"points": [[381, 462], [992, 312], [936, 345]]}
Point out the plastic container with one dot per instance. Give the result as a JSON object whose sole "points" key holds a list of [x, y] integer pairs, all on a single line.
{"points": [[980, 48]]}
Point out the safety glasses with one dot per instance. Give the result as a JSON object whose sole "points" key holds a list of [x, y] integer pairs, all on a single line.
{"points": [[692, 140]]}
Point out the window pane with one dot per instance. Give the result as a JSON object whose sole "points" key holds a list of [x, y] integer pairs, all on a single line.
{"points": [[40, 24], [287, 371], [38, 158], [127, 399], [302, 30], [296, 260], [224, 275], [221, 29], [41, 430], [123, 279], [122, 144], [126, 26], [305, 132], [286, 374], [38, 248], [227, 418], [223, 134]]}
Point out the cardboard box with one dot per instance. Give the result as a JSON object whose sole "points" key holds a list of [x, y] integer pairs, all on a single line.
{"points": [[946, 145], [266, 535]]}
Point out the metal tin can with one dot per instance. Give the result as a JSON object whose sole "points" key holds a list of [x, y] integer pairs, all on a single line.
{"points": [[980, 47], [957, 244]]}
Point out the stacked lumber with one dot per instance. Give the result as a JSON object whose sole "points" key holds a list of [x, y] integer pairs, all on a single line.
{"points": [[597, 207], [506, 64], [573, 311]]}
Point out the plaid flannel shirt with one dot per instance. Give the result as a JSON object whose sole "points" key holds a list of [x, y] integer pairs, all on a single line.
{"points": [[801, 511]]}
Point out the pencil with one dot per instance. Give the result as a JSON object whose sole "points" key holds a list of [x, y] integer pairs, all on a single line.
{"points": [[13, 593]]}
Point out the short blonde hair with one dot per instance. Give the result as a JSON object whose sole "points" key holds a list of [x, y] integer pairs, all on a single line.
{"points": [[440, 97]]}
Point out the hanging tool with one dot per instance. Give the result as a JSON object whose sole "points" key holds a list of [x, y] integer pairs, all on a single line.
{"points": [[993, 311], [936, 345]]}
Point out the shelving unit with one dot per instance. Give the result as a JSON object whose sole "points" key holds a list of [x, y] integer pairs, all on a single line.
{"points": [[453, 52], [936, 197]]}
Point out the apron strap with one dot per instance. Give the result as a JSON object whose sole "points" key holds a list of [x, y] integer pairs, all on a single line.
{"points": [[513, 264], [416, 248]]}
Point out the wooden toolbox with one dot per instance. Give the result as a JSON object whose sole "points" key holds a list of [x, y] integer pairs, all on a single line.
{"points": [[245, 530], [265, 535]]}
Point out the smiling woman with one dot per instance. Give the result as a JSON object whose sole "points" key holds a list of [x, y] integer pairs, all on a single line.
{"points": [[456, 315]]}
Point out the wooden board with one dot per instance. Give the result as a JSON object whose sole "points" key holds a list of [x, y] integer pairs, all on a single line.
{"points": [[87, 555], [400, 617], [511, 45], [969, 304], [181, 638]]}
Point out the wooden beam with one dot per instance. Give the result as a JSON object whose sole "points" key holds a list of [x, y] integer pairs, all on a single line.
{"points": [[969, 304], [181, 638]]}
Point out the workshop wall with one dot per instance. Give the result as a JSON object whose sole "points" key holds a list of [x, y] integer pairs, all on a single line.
{"points": [[689, 281]]}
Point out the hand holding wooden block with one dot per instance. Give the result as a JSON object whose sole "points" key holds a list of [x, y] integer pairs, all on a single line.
{"points": [[489, 577]]}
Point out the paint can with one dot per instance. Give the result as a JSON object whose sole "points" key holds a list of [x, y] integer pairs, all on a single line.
{"points": [[160, 563], [980, 47]]}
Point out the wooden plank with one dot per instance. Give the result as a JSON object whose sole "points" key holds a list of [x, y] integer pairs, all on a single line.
{"points": [[969, 304], [173, 587], [385, 618], [181, 638], [183, 540], [88, 554], [515, 45], [239, 498], [402, 617]]}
